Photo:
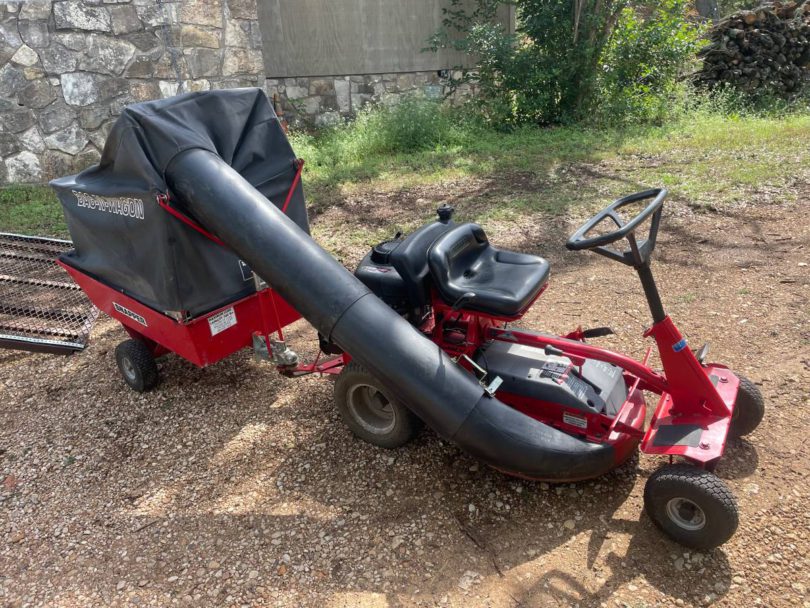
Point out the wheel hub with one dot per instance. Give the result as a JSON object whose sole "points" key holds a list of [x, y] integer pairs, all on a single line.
{"points": [[686, 514], [371, 409], [128, 367]]}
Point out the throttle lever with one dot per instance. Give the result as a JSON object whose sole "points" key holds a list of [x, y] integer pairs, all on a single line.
{"points": [[553, 350]]}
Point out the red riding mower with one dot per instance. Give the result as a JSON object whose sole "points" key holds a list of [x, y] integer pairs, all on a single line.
{"points": [[461, 292]]}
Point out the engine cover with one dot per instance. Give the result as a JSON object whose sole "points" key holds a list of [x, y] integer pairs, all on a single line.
{"points": [[598, 388], [376, 273]]}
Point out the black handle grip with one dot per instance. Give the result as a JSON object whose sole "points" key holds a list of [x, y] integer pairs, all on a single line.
{"points": [[639, 251]]}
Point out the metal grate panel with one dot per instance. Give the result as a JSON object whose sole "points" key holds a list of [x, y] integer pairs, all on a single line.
{"points": [[41, 308]]}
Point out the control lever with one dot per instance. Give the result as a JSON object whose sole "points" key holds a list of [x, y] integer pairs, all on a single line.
{"points": [[556, 352], [492, 386], [597, 332]]}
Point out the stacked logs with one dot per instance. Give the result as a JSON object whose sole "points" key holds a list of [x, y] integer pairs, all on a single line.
{"points": [[764, 48]]}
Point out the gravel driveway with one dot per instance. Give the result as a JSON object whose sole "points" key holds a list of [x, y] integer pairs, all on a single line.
{"points": [[232, 486]]}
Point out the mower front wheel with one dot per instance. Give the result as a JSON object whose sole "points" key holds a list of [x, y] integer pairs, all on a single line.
{"points": [[137, 365], [691, 505], [371, 412], [748, 409]]}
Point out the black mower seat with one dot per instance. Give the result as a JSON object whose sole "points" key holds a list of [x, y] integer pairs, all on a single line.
{"points": [[462, 261]]}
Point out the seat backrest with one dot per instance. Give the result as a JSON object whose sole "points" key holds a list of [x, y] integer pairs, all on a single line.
{"points": [[409, 259], [456, 251]]}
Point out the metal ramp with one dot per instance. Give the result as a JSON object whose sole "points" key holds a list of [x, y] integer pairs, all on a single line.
{"points": [[41, 308]]}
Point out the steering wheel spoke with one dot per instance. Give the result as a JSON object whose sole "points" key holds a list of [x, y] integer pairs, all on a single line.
{"points": [[617, 219]]}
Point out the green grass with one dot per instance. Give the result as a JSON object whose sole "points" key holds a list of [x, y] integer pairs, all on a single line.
{"points": [[704, 158], [31, 210]]}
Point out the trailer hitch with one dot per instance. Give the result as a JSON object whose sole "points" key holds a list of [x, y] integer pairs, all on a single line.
{"points": [[279, 353]]}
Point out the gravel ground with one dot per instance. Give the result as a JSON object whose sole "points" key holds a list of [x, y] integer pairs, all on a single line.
{"points": [[232, 486]]}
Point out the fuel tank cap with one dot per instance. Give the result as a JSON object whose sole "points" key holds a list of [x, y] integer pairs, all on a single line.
{"points": [[381, 253]]}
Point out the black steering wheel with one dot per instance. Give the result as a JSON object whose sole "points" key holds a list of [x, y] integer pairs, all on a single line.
{"points": [[640, 250]]}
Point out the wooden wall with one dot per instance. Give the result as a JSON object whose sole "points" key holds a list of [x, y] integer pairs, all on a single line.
{"points": [[341, 37]]}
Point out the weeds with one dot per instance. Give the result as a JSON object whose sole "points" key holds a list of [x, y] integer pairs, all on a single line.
{"points": [[31, 210], [714, 150]]}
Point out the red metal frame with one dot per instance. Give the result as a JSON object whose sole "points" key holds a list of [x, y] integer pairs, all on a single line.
{"points": [[194, 340], [163, 202], [299, 167], [259, 315], [691, 393], [688, 395]]}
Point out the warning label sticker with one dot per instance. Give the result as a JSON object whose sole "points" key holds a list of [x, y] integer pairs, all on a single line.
{"points": [[573, 420], [222, 321]]}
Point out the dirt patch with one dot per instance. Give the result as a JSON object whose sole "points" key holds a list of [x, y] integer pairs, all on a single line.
{"points": [[231, 486]]}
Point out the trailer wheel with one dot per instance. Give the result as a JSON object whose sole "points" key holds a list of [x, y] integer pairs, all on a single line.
{"points": [[748, 410], [692, 506], [370, 412], [137, 365]]}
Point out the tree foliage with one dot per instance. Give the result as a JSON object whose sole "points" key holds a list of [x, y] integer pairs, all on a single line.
{"points": [[566, 55]]}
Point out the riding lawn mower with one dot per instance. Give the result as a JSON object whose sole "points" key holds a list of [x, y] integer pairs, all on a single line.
{"points": [[192, 232]]}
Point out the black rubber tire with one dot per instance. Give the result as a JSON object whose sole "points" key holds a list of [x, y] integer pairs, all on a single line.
{"points": [[137, 365], [355, 385], [678, 486], [748, 410]]}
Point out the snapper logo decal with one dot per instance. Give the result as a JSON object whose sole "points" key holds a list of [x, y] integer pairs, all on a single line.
{"points": [[128, 313], [128, 207]]}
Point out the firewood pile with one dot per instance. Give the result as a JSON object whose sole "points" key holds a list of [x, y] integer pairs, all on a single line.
{"points": [[767, 47]]}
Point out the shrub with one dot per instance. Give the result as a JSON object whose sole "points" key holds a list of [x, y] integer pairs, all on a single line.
{"points": [[412, 126], [570, 59], [406, 127], [643, 62]]}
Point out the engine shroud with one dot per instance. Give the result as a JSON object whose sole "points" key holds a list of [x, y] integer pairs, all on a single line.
{"points": [[595, 388]]}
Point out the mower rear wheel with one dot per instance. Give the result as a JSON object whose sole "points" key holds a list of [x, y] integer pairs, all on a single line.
{"points": [[748, 410], [692, 506], [371, 412], [137, 365]]}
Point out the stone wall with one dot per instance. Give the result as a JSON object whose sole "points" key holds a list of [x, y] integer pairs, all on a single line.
{"points": [[328, 100], [68, 67]]}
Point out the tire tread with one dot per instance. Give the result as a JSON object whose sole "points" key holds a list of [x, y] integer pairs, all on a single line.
{"points": [[707, 484], [752, 408], [408, 426], [140, 355]]}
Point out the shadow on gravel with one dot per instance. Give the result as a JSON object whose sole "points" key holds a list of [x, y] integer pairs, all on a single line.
{"points": [[739, 461], [557, 587], [432, 485]]}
